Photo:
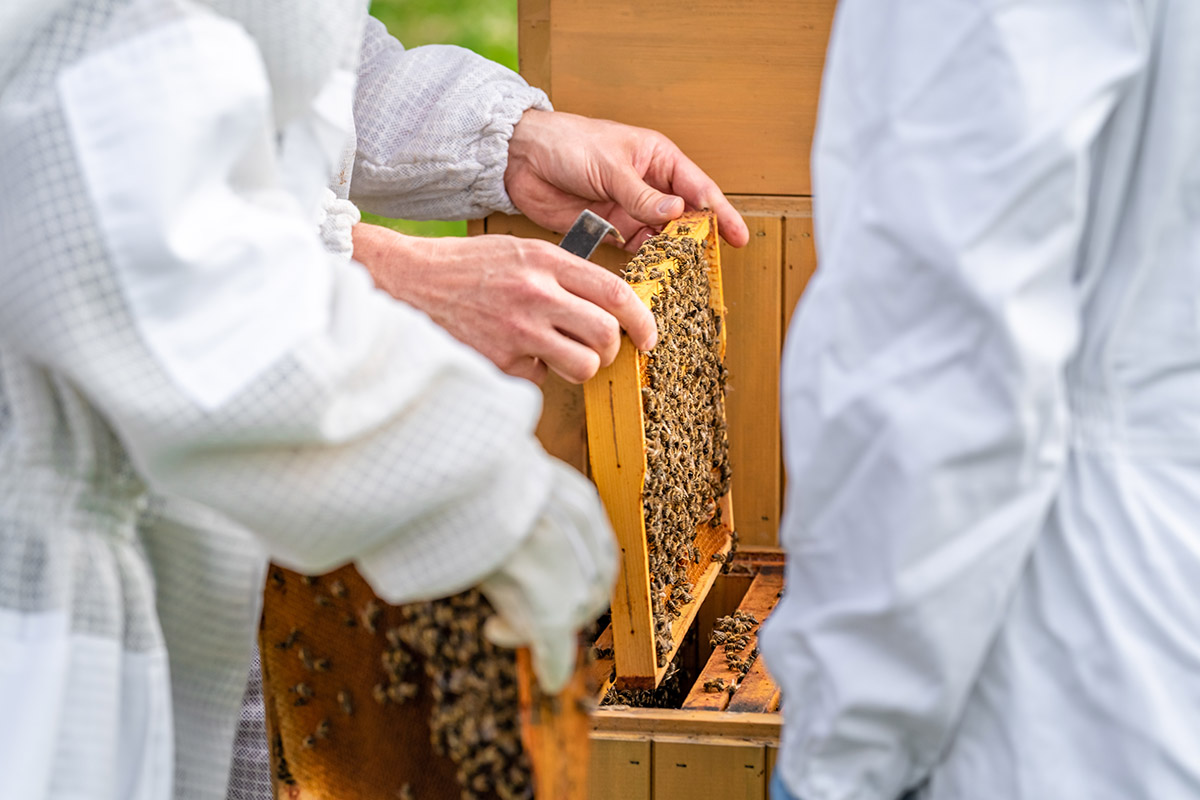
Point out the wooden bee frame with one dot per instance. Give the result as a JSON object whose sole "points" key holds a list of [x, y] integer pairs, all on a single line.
{"points": [[617, 451]]}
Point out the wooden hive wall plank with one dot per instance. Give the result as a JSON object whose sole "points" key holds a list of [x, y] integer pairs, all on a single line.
{"points": [[654, 64], [620, 768], [686, 769], [800, 259], [753, 279], [533, 42]]}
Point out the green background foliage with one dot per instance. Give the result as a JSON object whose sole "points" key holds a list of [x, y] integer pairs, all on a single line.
{"points": [[489, 27]]}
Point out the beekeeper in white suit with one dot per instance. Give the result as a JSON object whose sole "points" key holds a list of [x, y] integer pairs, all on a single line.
{"points": [[992, 395], [171, 321]]}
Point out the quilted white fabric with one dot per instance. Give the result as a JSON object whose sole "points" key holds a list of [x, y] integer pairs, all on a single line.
{"points": [[364, 433]]}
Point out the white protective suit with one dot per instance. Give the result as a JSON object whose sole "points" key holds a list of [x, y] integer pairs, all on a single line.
{"points": [[992, 409], [172, 324]]}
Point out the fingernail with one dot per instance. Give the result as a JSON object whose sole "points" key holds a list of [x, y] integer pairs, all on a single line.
{"points": [[667, 205]]}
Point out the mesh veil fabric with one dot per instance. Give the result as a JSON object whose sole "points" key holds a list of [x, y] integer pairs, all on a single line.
{"points": [[360, 431]]}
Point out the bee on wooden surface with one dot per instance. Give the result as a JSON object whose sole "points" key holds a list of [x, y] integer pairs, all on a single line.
{"points": [[346, 702], [715, 685], [393, 638], [309, 742], [289, 640], [278, 580], [309, 580], [405, 792], [322, 731], [322, 601], [379, 692], [400, 692], [370, 615], [337, 589]]}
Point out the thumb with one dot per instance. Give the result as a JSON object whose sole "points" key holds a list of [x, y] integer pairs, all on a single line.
{"points": [[643, 202]]}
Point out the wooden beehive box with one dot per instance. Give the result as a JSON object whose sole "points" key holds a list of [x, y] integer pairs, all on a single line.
{"points": [[615, 403], [736, 86]]}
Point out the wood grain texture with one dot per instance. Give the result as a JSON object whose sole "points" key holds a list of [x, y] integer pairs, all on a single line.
{"points": [[654, 64], [799, 259], [554, 730], [752, 278], [620, 768], [632, 722], [533, 42], [686, 769], [616, 450]]}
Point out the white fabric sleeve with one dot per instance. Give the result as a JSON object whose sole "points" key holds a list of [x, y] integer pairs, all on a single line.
{"points": [[336, 218], [925, 418], [242, 365], [433, 126]]}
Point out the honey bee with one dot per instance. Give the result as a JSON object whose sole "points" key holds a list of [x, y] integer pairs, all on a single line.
{"points": [[400, 692], [337, 589], [322, 731], [289, 640], [346, 702], [370, 615]]}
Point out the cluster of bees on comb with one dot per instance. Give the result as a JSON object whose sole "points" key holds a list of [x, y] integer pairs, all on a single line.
{"points": [[476, 708], [434, 648], [733, 633], [683, 400], [669, 694]]}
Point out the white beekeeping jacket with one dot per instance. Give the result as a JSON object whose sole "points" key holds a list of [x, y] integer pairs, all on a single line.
{"points": [[171, 324], [992, 409]]}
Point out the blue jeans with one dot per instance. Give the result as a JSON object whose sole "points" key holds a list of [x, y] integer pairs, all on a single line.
{"points": [[780, 792]]}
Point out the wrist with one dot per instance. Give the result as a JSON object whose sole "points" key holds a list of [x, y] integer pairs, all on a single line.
{"points": [[395, 261]]}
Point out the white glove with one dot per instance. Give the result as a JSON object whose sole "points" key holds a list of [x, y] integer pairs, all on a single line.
{"points": [[557, 581]]}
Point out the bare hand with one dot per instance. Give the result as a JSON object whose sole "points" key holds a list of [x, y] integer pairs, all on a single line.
{"points": [[523, 303], [637, 179]]}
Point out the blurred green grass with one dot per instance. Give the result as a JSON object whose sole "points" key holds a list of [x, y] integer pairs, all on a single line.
{"points": [[489, 27]]}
